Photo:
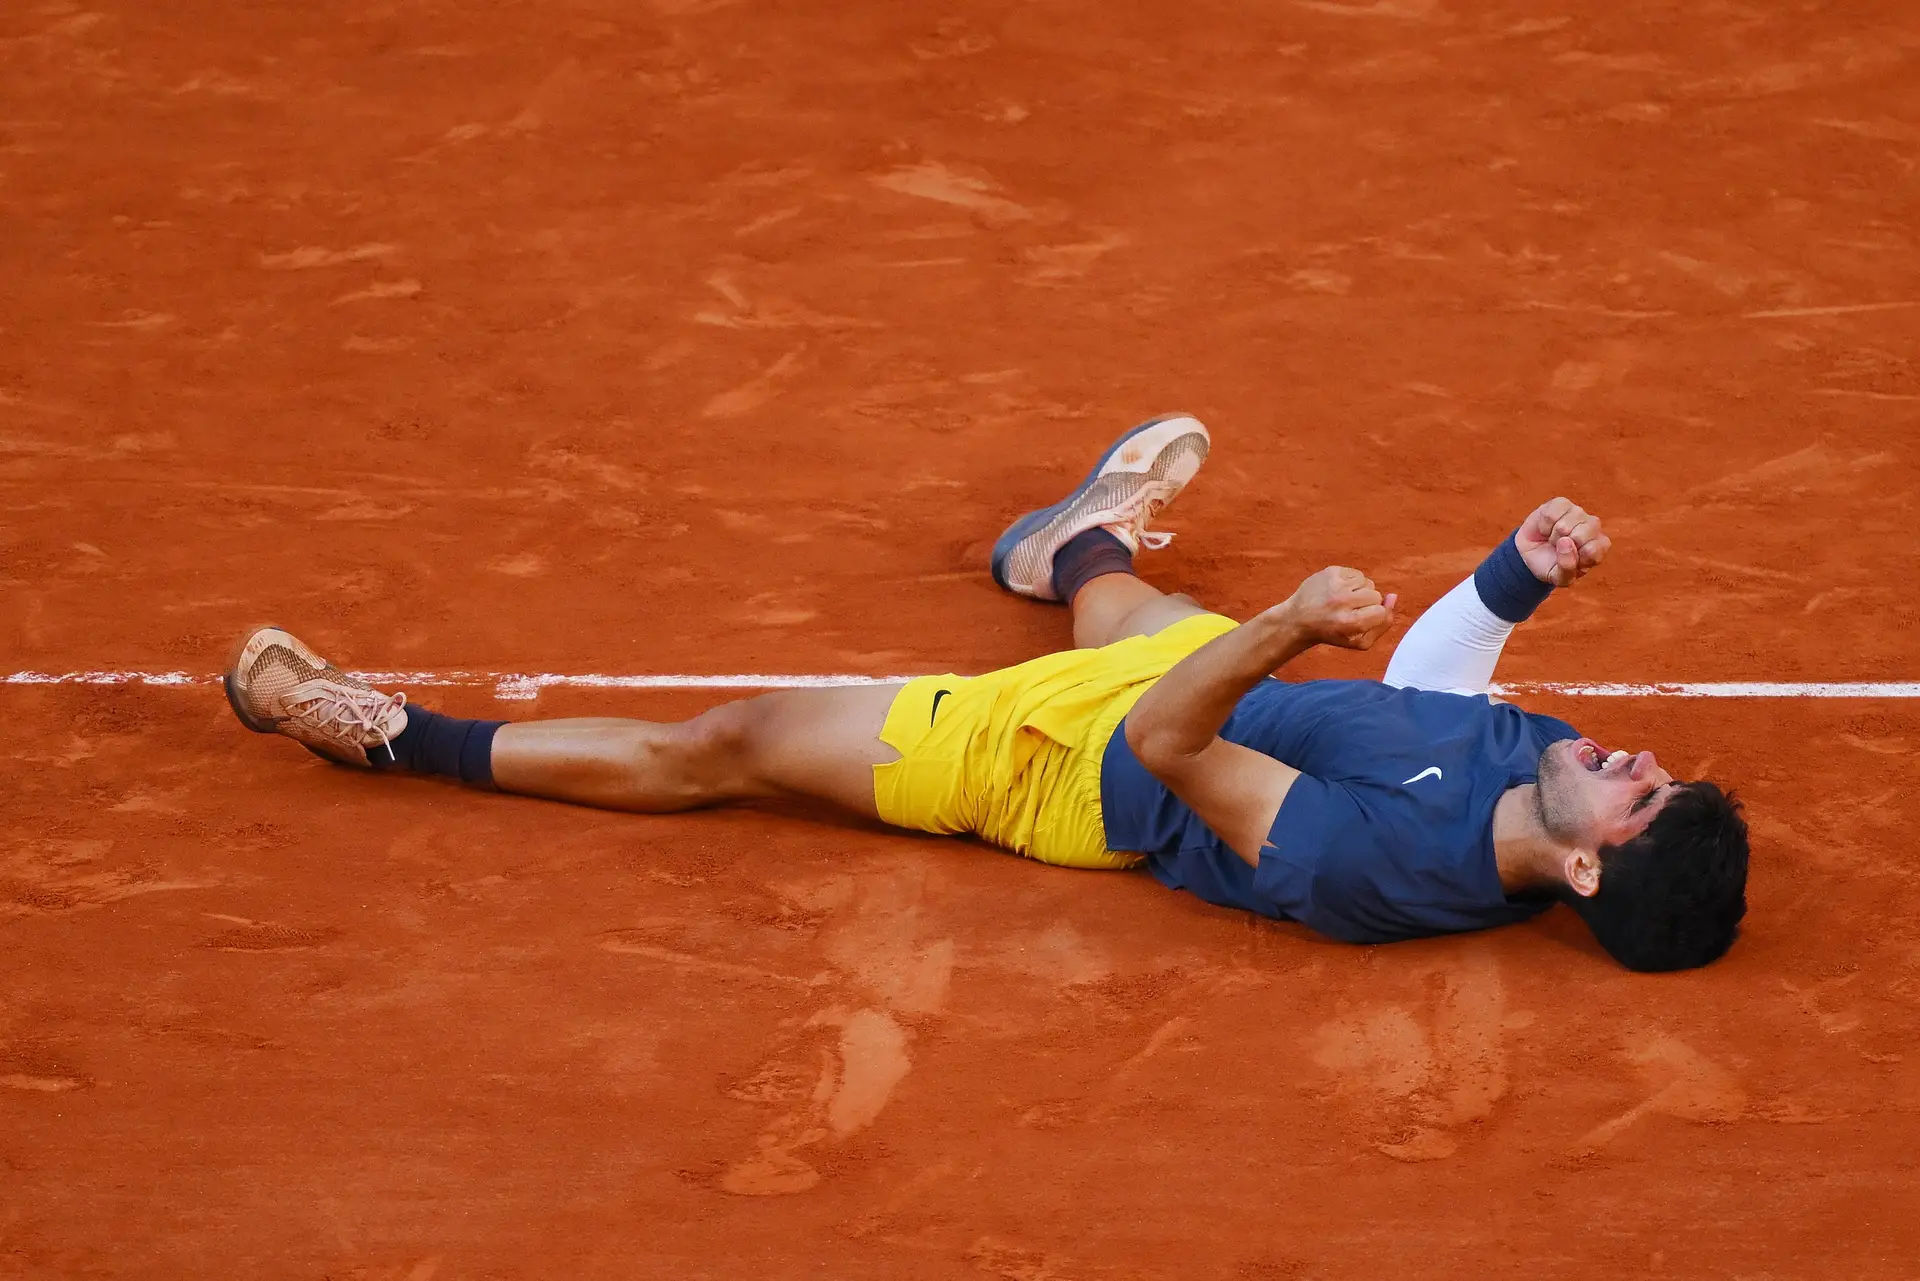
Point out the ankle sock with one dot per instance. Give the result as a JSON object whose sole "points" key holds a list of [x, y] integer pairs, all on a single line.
{"points": [[1085, 557], [444, 745]]}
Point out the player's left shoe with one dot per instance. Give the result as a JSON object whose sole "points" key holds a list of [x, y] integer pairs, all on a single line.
{"points": [[1139, 475], [278, 686]]}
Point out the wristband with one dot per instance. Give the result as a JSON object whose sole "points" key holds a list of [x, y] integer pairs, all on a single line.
{"points": [[1505, 584]]}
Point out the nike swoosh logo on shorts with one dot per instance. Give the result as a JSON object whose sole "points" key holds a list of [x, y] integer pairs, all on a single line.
{"points": [[1431, 771], [938, 694]]}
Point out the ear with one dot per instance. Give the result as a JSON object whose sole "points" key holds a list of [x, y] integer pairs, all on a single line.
{"points": [[1582, 873]]}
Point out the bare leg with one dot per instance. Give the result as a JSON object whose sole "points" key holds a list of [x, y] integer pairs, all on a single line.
{"points": [[1115, 606], [818, 744]]}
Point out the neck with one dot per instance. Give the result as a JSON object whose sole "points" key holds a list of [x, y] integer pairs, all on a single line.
{"points": [[1526, 857]]}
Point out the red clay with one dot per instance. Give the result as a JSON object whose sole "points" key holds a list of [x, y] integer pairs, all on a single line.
{"points": [[723, 337]]}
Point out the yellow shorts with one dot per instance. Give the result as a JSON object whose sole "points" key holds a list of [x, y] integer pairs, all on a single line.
{"points": [[1014, 756]]}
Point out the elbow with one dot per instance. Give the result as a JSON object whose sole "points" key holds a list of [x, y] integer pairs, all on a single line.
{"points": [[1161, 750]]}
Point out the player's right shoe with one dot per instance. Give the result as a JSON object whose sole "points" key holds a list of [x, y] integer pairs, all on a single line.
{"points": [[1138, 476], [278, 686]]}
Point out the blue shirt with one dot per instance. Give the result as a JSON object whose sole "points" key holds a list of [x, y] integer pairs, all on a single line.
{"points": [[1388, 832]]}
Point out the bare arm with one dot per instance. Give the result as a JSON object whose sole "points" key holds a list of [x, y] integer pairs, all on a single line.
{"points": [[1175, 727]]}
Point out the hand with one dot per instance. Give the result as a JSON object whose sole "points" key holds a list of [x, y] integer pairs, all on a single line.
{"points": [[1340, 606], [1560, 542]]}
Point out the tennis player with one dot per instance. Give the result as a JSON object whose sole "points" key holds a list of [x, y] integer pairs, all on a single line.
{"points": [[1370, 811]]}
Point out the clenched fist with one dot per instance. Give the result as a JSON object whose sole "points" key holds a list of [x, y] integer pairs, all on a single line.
{"points": [[1340, 606], [1560, 542]]}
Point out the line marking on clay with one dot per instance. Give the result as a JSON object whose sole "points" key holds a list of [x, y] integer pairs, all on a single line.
{"points": [[1717, 689], [1843, 309], [525, 685]]}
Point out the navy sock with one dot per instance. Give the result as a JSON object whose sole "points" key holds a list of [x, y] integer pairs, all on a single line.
{"points": [[445, 745], [1084, 558]]}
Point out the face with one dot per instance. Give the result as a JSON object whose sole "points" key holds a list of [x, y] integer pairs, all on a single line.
{"points": [[1590, 797]]}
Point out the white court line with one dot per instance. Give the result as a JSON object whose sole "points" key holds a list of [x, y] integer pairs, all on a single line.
{"points": [[523, 685], [1718, 689]]}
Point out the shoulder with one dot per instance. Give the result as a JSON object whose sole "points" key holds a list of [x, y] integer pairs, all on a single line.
{"points": [[1548, 729]]}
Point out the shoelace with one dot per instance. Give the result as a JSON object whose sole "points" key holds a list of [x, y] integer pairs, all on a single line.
{"points": [[337, 707], [1142, 506]]}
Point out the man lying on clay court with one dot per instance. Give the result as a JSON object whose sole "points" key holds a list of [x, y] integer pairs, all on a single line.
{"points": [[1368, 810]]}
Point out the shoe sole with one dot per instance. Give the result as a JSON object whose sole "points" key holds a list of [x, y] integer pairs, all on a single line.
{"points": [[1035, 521]]}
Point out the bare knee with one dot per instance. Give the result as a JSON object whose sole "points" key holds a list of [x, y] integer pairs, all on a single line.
{"points": [[710, 756]]}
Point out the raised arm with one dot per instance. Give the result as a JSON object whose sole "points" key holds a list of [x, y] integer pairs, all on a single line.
{"points": [[1457, 643], [1174, 729]]}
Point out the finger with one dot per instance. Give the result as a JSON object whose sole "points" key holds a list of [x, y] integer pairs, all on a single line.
{"points": [[1366, 626], [1363, 597], [1566, 557], [1384, 619], [1592, 553], [1569, 521], [1584, 529], [1548, 516]]}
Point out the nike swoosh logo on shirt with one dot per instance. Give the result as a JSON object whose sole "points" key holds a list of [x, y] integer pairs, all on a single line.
{"points": [[1431, 771], [937, 696]]}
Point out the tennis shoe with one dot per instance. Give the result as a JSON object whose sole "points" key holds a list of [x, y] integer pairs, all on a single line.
{"points": [[278, 686], [1128, 487]]}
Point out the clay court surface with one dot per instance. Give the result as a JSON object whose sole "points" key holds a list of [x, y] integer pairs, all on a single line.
{"points": [[704, 338]]}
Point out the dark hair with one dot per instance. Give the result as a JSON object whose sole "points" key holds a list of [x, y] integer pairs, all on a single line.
{"points": [[1672, 897]]}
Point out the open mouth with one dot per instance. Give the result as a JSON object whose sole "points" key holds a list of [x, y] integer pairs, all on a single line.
{"points": [[1595, 758]]}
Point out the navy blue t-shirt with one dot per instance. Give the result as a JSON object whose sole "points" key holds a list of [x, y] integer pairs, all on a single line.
{"points": [[1387, 834]]}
